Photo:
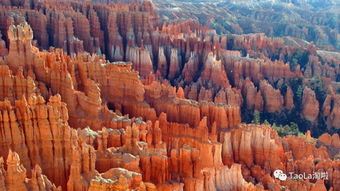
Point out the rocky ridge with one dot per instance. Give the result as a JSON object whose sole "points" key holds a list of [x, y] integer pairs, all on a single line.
{"points": [[81, 122]]}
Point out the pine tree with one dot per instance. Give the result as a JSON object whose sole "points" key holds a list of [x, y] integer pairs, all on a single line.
{"points": [[256, 117]]}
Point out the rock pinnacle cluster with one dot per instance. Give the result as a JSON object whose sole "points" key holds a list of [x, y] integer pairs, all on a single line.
{"points": [[98, 96]]}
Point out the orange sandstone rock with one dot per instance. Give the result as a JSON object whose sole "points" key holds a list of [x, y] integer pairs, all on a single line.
{"points": [[131, 132], [310, 105], [15, 177], [273, 100]]}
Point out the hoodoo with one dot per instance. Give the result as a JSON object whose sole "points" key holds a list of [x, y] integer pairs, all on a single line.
{"points": [[98, 95]]}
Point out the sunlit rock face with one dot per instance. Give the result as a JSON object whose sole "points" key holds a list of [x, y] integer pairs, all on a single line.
{"points": [[123, 101]]}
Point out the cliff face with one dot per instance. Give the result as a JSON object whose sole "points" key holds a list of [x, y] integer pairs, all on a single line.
{"points": [[331, 110], [310, 104], [95, 82], [15, 86], [20, 47], [15, 177], [32, 125], [204, 64], [170, 119], [273, 100]]}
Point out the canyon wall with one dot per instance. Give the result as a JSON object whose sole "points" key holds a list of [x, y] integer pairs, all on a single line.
{"points": [[169, 118]]}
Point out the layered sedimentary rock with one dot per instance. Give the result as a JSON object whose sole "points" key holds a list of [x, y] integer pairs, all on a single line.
{"points": [[84, 95], [214, 73], [20, 49], [162, 67], [14, 87], [33, 125], [169, 119], [38, 22], [171, 49], [162, 98], [249, 146], [331, 143], [315, 67], [175, 64], [331, 110], [289, 99], [310, 105], [15, 177], [257, 69], [225, 178], [272, 98], [252, 96], [190, 68], [141, 60]]}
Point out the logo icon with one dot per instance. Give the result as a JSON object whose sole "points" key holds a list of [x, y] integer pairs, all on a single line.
{"points": [[280, 175]]}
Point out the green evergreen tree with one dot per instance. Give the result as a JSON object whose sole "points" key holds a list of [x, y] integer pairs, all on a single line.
{"points": [[256, 117], [266, 122], [291, 129]]}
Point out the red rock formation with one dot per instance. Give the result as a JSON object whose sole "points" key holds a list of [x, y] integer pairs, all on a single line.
{"points": [[213, 74], [225, 178], [3, 49], [256, 69], [15, 87], [229, 96], [329, 140], [38, 22], [76, 27], [15, 178], [82, 166], [331, 110], [63, 34], [115, 41], [289, 99], [120, 180], [175, 64], [96, 32], [20, 47], [162, 63], [272, 98], [82, 31], [253, 98], [316, 68], [310, 105], [190, 68], [143, 134], [50, 120], [141, 60], [180, 93], [250, 148], [162, 98]]}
